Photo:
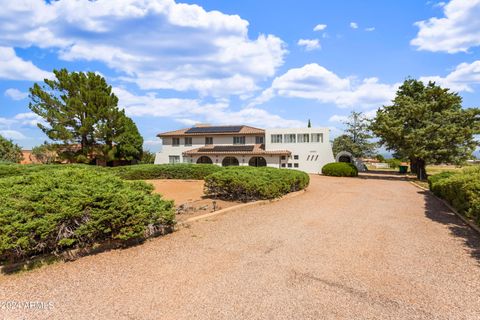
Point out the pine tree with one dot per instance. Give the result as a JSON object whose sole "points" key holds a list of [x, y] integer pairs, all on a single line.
{"points": [[427, 125]]}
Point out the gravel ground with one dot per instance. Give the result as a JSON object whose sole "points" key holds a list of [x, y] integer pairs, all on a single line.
{"points": [[371, 248]]}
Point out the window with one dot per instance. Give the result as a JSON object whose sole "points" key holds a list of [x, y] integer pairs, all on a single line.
{"points": [[175, 142], [276, 138], [258, 140], [289, 165], [303, 137], [238, 140], [290, 138], [208, 140], [317, 137], [283, 165], [295, 157], [173, 159], [295, 165], [188, 141], [283, 157]]}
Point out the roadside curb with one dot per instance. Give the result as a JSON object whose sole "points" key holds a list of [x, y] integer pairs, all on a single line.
{"points": [[240, 206], [464, 219]]}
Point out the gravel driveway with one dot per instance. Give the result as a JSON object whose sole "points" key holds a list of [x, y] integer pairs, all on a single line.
{"points": [[367, 248]]}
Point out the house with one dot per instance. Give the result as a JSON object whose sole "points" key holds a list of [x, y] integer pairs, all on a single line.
{"points": [[306, 149]]}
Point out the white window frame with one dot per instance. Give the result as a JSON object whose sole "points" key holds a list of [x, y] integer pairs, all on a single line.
{"points": [[259, 140], [290, 138], [175, 144], [211, 139], [276, 138], [303, 138], [239, 140], [190, 139], [317, 137], [173, 159]]}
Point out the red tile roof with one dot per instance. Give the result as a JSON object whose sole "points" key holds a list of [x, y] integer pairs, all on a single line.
{"points": [[257, 149]]}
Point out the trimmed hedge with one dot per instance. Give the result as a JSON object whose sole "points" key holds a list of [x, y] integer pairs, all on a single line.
{"points": [[166, 171], [252, 183], [340, 169], [460, 189], [48, 211]]}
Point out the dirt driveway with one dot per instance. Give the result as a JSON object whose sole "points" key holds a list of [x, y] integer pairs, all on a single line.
{"points": [[375, 248]]}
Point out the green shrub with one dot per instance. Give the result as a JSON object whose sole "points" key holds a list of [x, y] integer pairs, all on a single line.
{"points": [[340, 169], [460, 189], [47, 211], [252, 183], [393, 163], [166, 171]]}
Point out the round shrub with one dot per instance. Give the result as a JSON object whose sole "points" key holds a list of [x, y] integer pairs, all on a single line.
{"points": [[48, 211], [340, 169], [252, 183]]}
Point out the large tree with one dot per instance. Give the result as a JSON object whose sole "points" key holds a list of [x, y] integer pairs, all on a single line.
{"points": [[356, 138], [427, 124], [82, 114], [9, 151]]}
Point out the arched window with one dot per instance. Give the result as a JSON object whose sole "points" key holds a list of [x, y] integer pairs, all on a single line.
{"points": [[257, 162], [204, 160], [230, 161]]}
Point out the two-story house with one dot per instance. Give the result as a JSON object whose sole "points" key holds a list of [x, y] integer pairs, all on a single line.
{"points": [[306, 149]]}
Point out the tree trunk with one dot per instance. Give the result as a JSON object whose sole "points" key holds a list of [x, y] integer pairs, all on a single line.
{"points": [[413, 165], [421, 171]]}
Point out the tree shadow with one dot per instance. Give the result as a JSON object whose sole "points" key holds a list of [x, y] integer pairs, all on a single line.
{"points": [[383, 175], [437, 211]]}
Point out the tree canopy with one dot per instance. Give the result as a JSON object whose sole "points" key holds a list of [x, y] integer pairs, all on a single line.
{"points": [[82, 114], [427, 124], [356, 138], [9, 151]]}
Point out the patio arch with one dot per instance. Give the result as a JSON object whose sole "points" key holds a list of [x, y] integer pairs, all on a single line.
{"points": [[230, 161], [204, 160], [257, 162]]}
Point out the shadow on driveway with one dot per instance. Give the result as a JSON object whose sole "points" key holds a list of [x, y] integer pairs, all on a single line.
{"points": [[439, 212]]}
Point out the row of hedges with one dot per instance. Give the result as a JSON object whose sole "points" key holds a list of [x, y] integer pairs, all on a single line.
{"points": [[460, 189], [340, 169], [166, 171], [48, 211], [251, 183]]}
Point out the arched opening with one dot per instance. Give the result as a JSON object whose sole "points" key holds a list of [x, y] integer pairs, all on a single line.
{"points": [[204, 160], [345, 158], [230, 161], [257, 162]]}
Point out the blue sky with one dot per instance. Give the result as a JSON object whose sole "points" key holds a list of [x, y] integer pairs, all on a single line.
{"points": [[262, 63]]}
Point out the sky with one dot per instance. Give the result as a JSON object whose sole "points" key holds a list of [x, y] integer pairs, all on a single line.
{"points": [[261, 63]]}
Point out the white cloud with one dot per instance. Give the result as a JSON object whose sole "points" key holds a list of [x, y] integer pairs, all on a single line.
{"points": [[315, 82], [370, 29], [191, 111], [353, 25], [159, 44], [457, 31], [338, 118], [29, 119], [320, 27], [309, 44], [12, 134], [461, 79], [16, 94], [13, 67]]}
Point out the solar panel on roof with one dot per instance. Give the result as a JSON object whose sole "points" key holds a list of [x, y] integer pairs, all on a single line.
{"points": [[219, 129]]}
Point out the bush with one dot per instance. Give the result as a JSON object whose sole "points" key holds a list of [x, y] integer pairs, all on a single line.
{"points": [[460, 189], [393, 163], [11, 169], [252, 183], [340, 169], [47, 211], [166, 171]]}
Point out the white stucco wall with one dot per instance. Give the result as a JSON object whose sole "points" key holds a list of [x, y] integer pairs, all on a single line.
{"points": [[312, 156], [197, 142]]}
